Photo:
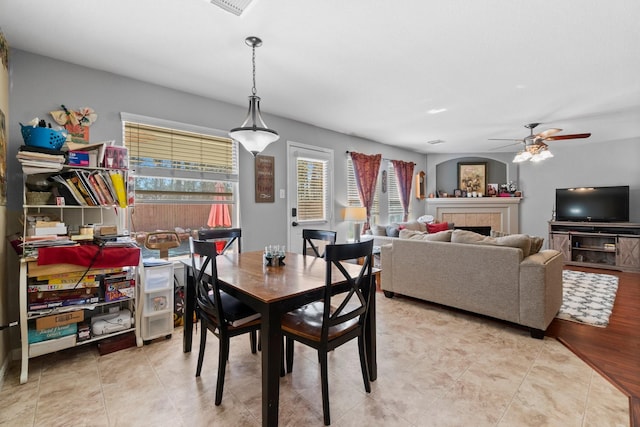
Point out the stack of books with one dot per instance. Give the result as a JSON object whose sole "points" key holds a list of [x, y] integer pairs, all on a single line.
{"points": [[55, 292], [92, 187], [40, 160]]}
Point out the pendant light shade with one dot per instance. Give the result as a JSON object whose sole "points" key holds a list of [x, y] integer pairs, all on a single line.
{"points": [[254, 134]]}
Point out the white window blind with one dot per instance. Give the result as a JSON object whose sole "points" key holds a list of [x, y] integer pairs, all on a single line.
{"points": [[312, 189], [395, 206], [158, 151]]}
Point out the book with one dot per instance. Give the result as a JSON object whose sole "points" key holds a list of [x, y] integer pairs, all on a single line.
{"points": [[62, 286], [63, 189], [115, 157], [85, 189], [117, 179], [97, 177], [92, 184]]}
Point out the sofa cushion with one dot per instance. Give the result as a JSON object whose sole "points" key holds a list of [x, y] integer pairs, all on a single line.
{"points": [[536, 244], [519, 241], [442, 236], [434, 228], [378, 230], [411, 225], [393, 231]]}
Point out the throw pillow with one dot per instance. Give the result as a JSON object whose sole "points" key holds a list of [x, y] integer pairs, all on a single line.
{"points": [[536, 245], [411, 225], [408, 234], [392, 231], [519, 241], [466, 236], [434, 228], [441, 236], [379, 230]]}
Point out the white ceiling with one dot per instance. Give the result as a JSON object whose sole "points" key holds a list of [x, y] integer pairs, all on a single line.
{"points": [[371, 68]]}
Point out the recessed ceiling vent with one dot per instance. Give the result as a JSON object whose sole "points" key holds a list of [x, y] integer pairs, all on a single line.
{"points": [[237, 7]]}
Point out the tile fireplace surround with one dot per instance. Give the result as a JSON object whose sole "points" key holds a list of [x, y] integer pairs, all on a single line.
{"points": [[501, 213]]}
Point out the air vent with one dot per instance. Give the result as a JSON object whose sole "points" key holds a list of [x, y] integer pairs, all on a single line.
{"points": [[234, 6], [435, 142]]}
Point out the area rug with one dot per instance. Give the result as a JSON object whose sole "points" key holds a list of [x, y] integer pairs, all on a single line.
{"points": [[588, 297]]}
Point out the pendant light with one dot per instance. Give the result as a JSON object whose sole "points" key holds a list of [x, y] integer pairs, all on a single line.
{"points": [[254, 134]]}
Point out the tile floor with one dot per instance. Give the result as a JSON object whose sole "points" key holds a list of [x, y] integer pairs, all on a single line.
{"points": [[436, 368]]}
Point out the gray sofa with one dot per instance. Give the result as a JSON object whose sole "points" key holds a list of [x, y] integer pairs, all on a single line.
{"points": [[503, 278]]}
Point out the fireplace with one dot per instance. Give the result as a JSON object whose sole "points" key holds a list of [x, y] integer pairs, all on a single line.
{"points": [[499, 213]]}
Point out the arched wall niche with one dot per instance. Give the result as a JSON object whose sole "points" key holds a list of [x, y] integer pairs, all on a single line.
{"points": [[442, 169]]}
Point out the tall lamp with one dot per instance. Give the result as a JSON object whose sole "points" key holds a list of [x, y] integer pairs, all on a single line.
{"points": [[357, 215]]}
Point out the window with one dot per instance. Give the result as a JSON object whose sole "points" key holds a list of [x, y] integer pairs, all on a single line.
{"points": [[395, 211], [184, 178], [312, 178]]}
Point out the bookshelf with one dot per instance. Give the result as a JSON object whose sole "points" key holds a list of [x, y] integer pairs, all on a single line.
{"points": [[78, 283]]}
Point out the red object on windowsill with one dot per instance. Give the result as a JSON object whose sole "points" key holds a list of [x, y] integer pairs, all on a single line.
{"points": [[84, 255]]}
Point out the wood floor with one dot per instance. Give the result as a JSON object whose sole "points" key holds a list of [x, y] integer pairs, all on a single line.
{"points": [[613, 351]]}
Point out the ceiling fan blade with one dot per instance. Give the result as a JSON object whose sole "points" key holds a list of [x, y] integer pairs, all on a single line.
{"points": [[573, 136], [508, 145], [548, 132]]}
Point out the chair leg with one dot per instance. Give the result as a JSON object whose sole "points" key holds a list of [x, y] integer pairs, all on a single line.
{"points": [[223, 356], [289, 355], [325, 386], [282, 358], [252, 339], [203, 343], [363, 364], [259, 342]]}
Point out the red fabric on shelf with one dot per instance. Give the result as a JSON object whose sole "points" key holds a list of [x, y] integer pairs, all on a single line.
{"points": [[84, 254]]}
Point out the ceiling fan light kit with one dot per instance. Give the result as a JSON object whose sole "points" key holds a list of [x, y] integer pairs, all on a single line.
{"points": [[535, 149], [253, 133]]}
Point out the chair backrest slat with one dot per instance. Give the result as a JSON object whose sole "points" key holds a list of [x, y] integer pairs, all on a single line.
{"points": [[203, 256], [230, 234], [355, 300], [310, 237]]}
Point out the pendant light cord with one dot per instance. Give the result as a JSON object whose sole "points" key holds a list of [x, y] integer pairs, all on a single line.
{"points": [[253, 60]]}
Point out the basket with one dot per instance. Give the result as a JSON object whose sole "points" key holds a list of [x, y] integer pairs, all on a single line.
{"points": [[36, 198], [43, 137]]}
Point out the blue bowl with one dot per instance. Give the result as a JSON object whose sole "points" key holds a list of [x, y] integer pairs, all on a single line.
{"points": [[43, 137]]}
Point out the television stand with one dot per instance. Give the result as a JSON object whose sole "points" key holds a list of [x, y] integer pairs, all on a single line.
{"points": [[608, 245]]}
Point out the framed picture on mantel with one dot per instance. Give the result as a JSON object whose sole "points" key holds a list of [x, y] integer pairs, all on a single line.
{"points": [[472, 177]]}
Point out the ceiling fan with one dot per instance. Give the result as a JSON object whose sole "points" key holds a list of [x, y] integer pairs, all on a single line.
{"points": [[535, 148]]}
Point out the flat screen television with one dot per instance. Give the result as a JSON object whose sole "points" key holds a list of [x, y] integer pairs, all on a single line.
{"points": [[596, 204]]}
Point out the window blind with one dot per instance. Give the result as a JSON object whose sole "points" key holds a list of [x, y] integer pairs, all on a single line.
{"points": [[312, 189], [159, 151]]}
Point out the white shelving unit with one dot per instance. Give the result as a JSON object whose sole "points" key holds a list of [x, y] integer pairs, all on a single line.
{"points": [[155, 300], [74, 217]]}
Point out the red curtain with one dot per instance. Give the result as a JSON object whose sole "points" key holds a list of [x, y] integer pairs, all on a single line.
{"points": [[404, 175], [366, 169]]}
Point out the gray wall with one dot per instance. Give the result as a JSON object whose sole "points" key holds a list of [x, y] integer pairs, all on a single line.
{"points": [[40, 84], [597, 162]]}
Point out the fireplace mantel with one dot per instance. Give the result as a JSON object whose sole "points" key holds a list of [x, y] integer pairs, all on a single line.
{"points": [[501, 213]]}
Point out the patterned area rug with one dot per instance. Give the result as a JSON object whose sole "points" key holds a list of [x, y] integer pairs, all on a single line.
{"points": [[588, 297]]}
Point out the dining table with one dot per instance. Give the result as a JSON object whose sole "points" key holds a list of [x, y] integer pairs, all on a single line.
{"points": [[273, 290]]}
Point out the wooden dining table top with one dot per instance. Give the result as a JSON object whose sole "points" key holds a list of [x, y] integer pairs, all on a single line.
{"points": [[247, 273]]}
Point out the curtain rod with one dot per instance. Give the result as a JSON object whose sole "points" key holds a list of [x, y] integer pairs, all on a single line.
{"points": [[384, 158]]}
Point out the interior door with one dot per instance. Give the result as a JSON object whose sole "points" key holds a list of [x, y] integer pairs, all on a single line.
{"points": [[310, 191]]}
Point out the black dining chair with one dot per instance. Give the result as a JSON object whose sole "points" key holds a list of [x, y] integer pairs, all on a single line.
{"points": [[311, 237], [222, 314], [230, 234], [325, 326]]}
